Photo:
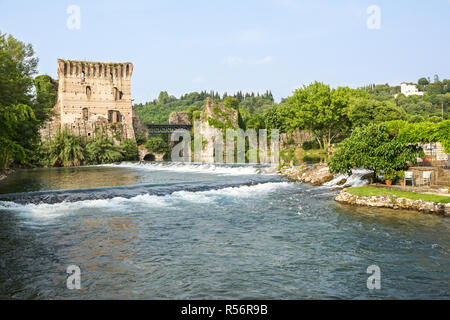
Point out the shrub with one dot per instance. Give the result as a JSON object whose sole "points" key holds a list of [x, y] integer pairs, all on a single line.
{"points": [[157, 144], [309, 145], [64, 150], [101, 150], [129, 150]]}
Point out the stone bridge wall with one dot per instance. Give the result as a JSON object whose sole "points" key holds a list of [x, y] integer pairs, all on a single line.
{"points": [[143, 153]]}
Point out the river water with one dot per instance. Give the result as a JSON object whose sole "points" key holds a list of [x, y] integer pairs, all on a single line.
{"points": [[189, 231]]}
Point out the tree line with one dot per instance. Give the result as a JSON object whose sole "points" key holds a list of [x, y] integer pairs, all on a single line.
{"points": [[331, 114]]}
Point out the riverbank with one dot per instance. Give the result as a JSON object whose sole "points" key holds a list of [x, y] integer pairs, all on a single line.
{"points": [[371, 196], [395, 199]]}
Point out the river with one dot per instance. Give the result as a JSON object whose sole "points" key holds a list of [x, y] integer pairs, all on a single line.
{"points": [[191, 231]]}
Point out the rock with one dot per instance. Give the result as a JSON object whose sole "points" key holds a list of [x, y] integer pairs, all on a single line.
{"points": [[4, 174], [394, 203], [318, 176], [272, 169], [341, 182], [179, 118], [293, 173]]}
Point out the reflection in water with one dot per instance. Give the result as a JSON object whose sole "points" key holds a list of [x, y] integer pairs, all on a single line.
{"points": [[111, 238], [67, 178]]}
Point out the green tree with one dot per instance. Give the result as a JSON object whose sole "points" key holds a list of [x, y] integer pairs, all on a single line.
{"points": [[375, 148], [279, 117], [231, 102], [157, 144], [322, 111], [18, 131], [421, 132], [163, 97], [11, 118], [423, 82], [129, 150], [46, 92]]}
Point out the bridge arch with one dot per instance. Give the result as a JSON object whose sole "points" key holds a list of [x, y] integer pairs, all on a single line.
{"points": [[149, 157]]}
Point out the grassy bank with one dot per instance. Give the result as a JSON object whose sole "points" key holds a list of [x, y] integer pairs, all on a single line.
{"points": [[368, 191]]}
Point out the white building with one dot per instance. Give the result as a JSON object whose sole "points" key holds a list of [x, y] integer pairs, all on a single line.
{"points": [[410, 89]]}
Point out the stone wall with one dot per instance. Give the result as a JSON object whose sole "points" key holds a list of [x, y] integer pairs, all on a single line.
{"points": [[439, 176], [145, 154], [92, 95], [211, 135], [435, 151], [139, 127], [394, 203], [295, 139]]}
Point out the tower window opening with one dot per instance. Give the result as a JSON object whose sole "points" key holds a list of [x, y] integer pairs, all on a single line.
{"points": [[114, 116], [88, 92], [117, 94], [85, 114]]}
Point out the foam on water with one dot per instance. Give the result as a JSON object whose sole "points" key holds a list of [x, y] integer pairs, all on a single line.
{"points": [[220, 169], [44, 210], [354, 180]]}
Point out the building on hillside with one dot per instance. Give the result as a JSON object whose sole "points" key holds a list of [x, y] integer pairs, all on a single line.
{"points": [[93, 96], [410, 89]]}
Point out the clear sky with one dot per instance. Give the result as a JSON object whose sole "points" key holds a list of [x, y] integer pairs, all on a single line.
{"points": [[249, 45]]}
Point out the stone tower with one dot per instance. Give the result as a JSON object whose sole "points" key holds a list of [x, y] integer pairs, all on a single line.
{"points": [[91, 96]]}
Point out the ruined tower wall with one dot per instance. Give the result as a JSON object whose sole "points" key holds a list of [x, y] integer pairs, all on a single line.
{"points": [[92, 95]]}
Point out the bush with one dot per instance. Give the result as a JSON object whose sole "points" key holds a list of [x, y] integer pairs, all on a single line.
{"points": [[421, 132], [309, 145], [68, 150], [101, 150], [65, 150], [288, 155], [129, 150], [157, 145]]}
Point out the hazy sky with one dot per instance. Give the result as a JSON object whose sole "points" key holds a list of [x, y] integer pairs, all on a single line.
{"points": [[183, 46]]}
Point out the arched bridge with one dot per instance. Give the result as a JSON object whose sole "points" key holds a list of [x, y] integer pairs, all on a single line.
{"points": [[167, 128]]}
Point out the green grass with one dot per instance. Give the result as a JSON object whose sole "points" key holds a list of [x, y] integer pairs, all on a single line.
{"points": [[368, 191]]}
